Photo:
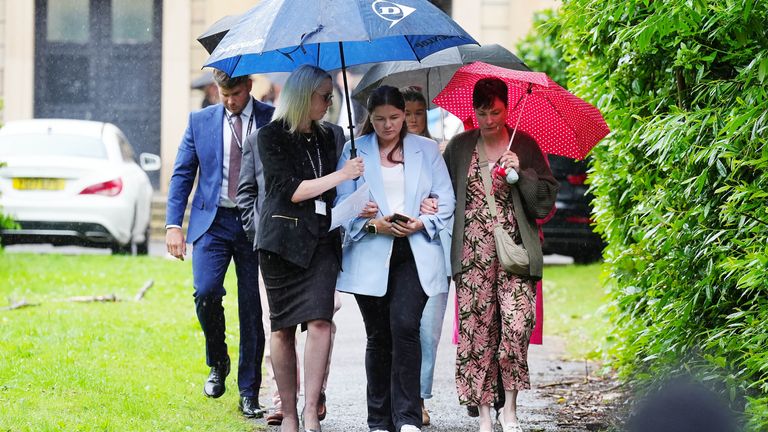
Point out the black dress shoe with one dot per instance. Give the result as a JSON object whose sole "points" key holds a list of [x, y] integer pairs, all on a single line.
{"points": [[250, 408], [214, 385]]}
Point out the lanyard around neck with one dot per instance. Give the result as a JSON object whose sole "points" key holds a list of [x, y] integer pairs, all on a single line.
{"points": [[247, 130], [318, 171]]}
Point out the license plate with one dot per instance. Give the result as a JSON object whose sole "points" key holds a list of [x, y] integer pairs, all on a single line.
{"points": [[30, 183]]}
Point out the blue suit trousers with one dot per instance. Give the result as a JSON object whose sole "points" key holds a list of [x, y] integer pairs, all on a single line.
{"points": [[224, 241]]}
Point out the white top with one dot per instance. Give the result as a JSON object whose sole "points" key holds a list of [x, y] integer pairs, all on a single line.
{"points": [[245, 114], [394, 187]]}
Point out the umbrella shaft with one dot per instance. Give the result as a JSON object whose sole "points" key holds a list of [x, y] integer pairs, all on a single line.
{"points": [[517, 123], [352, 149]]}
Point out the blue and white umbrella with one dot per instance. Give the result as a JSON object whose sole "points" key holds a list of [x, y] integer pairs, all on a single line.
{"points": [[280, 35]]}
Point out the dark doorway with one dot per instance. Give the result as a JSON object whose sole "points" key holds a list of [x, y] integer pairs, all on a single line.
{"points": [[101, 60]]}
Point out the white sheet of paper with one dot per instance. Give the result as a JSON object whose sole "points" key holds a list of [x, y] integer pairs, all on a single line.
{"points": [[351, 207]]}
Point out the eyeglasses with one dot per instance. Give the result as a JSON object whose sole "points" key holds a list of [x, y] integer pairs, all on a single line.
{"points": [[328, 97]]}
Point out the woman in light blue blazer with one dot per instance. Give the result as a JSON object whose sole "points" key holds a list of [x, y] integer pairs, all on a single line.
{"points": [[392, 266], [434, 311]]}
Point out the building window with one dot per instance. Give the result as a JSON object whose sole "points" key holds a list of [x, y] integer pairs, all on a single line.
{"points": [[132, 21], [67, 21]]}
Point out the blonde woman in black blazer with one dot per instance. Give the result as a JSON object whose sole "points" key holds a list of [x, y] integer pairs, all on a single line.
{"points": [[299, 257]]}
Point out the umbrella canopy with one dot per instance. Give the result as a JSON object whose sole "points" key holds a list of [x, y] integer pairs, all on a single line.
{"points": [[561, 123], [280, 35], [432, 73], [215, 33]]}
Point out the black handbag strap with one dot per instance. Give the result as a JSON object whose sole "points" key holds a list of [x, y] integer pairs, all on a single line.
{"points": [[485, 175]]}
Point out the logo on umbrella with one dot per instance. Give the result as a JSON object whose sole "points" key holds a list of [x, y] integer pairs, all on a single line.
{"points": [[390, 11]]}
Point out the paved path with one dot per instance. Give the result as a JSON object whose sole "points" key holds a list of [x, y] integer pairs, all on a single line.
{"points": [[346, 384]]}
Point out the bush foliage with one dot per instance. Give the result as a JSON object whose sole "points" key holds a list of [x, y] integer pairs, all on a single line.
{"points": [[681, 184]]}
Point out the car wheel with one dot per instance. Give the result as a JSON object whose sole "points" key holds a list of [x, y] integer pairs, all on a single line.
{"points": [[118, 249], [143, 247]]}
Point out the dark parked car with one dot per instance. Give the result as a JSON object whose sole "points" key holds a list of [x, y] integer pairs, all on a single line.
{"points": [[569, 232]]}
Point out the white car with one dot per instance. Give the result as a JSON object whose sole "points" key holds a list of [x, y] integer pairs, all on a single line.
{"points": [[74, 182]]}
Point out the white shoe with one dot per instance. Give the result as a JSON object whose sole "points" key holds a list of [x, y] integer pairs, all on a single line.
{"points": [[508, 427], [409, 428]]}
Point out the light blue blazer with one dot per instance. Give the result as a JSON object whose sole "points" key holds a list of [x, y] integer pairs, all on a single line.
{"points": [[365, 257]]}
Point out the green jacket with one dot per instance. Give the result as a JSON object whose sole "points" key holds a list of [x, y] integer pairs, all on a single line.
{"points": [[533, 196]]}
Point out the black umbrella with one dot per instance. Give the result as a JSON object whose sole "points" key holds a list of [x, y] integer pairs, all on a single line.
{"points": [[434, 71], [215, 33]]}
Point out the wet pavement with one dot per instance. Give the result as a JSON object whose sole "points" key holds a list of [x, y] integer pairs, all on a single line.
{"points": [[346, 384]]}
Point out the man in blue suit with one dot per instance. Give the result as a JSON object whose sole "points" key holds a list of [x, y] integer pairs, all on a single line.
{"points": [[212, 147]]}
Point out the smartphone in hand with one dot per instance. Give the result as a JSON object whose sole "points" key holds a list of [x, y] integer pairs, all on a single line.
{"points": [[397, 217]]}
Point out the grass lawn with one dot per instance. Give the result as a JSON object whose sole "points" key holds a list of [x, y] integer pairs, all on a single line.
{"points": [[139, 366], [573, 298], [125, 366]]}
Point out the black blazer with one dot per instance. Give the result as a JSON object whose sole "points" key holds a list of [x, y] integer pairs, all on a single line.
{"points": [[251, 191], [289, 229]]}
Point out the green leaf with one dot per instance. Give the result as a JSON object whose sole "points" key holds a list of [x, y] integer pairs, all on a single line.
{"points": [[762, 70], [721, 168]]}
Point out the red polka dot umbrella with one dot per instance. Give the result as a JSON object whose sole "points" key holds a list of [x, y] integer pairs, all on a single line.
{"points": [[561, 123]]}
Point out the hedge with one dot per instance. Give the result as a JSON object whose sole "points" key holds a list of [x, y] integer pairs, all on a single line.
{"points": [[681, 185]]}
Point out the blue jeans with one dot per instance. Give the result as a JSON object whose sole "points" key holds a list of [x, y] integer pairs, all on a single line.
{"points": [[430, 330]]}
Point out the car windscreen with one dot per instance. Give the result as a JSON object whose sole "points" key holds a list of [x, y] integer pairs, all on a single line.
{"points": [[52, 145]]}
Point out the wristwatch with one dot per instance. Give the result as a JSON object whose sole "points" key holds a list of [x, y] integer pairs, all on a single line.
{"points": [[371, 228]]}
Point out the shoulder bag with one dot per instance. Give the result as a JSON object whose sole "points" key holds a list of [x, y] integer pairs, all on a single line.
{"points": [[513, 257]]}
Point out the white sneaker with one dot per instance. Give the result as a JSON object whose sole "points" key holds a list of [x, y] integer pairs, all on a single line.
{"points": [[508, 427], [409, 428]]}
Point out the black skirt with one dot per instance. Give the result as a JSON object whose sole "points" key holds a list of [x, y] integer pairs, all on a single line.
{"points": [[295, 294]]}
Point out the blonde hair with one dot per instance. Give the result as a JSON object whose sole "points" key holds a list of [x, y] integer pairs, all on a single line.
{"points": [[295, 100]]}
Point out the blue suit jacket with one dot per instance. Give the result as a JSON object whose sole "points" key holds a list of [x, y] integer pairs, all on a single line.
{"points": [[201, 150], [365, 257]]}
